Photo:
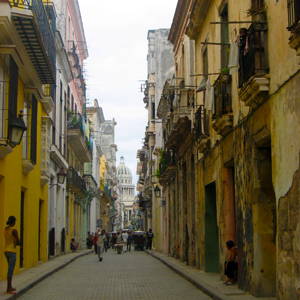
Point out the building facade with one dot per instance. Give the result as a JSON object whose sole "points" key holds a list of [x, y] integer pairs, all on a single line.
{"points": [[160, 68], [230, 162], [126, 194], [27, 64]]}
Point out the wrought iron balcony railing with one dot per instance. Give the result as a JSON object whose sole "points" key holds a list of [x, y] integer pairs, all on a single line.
{"points": [[75, 121], [222, 89], [45, 24], [167, 159], [293, 13], [201, 123], [253, 59], [76, 180]]}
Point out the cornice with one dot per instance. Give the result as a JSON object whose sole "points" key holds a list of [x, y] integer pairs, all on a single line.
{"points": [[180, 22], [197, 17]]}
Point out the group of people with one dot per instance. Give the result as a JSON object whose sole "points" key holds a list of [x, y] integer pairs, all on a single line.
{"points": [[102, 241]]}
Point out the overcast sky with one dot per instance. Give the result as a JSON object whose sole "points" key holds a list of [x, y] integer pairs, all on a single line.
{"points": [[116, 35]]}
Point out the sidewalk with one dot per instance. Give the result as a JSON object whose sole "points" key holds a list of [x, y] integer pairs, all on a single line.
{"points": [[208, 283], [27, 279]]}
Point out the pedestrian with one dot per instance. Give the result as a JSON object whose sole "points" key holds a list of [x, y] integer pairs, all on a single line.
{"points": [[73, 245], [150, 236], [95, 242], [232, 264], [11, 241], [118, 239], [129, 241], [101, 244], [113, 240], [107, 242], [124, 239]]}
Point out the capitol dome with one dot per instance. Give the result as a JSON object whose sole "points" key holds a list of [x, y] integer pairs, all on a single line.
{"points": [[123, 170]]}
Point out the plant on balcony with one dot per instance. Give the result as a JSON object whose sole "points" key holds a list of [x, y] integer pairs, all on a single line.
{"points": [[157, 173], [256, 10]]}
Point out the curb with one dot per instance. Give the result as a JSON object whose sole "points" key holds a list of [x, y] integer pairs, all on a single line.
{"points": [[205, 288], [37, 281]]}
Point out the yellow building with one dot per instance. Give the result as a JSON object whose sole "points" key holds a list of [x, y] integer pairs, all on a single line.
{"points": [[24, 169]]}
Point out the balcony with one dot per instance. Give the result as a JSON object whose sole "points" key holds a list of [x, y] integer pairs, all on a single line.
{"points": [[35, 25], [49, 96], [77, 139], [293, 25], [75, 183], [202, 130], [223, 117], [167, 167], [253, 81]]}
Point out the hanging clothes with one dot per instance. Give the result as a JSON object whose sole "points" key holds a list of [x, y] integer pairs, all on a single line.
{"points": [[202, 85], [210, 97], [233, 64]]}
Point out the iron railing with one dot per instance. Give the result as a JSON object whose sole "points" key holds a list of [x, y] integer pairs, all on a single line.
{"points": [[167, 159], [222, 97], [201, 123], [293, 13], [75, 121], [45, 29], [253, 57], [74, 178]]}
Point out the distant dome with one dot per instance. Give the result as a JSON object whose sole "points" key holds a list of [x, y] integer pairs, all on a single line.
{"points": [[123, 170]]}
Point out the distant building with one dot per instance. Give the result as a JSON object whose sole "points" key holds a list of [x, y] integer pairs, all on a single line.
{"points": [[126, 194]]}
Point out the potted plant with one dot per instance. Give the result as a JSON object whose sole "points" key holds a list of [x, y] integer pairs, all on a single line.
{"points": [[257, 12], [225, 77]]}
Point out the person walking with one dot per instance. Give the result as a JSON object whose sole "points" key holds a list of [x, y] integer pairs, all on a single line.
{"points": [[150, 236], [129, 241], [124, 238], [101, 244], [11, 241], [95, 242]]}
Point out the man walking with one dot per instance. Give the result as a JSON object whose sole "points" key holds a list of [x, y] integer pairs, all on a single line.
{"points": [[129, 241], [124, 238], [101, 244], [150, 236]]}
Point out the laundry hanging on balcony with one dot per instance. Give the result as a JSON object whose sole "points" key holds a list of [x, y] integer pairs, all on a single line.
{"points": [[233, 64], [209, 99], [202, 85]]}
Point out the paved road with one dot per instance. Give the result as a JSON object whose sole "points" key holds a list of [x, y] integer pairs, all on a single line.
{"points": [[131, 275]]}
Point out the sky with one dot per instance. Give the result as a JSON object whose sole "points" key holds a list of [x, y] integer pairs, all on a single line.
{"points": [[116, 35]]}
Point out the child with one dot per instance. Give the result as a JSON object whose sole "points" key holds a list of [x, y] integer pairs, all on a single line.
{"points": [[232, 263]]}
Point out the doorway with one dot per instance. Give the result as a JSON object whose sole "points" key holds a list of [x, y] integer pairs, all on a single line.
{"points": [[22, 230], [264, 227], [211, 230]]}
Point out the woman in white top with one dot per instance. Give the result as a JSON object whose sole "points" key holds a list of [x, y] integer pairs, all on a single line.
{"points": [[232, 263]]}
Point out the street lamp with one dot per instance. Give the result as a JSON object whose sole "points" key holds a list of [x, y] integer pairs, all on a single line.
{"points": [[61, 176], [157, 191], [16, 130]]}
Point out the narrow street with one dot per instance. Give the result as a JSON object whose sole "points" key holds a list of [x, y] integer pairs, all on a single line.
{"points": [[131, 275]]}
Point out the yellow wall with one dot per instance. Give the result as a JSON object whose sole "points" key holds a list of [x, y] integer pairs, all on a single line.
{"points": [[13, 181]]}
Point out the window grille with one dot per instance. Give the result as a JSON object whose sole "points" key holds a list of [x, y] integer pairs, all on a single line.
{"points": [[293, 13], [25, 138], [33, 139], [45, 150], [4, 64], [12, 91]]}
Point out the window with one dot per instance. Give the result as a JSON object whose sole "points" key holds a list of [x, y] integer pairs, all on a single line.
{"points": [[33, 132], [25, 140], [293, 13], [13, 91], [3, 76], [224, 38], [205, 66], [152, 107]]}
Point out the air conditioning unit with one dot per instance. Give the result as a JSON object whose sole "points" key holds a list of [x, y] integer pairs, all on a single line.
{"points": [[162, 203]]}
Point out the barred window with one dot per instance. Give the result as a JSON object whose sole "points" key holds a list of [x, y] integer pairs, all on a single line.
{"points": [[33, 140], [12, 91]]}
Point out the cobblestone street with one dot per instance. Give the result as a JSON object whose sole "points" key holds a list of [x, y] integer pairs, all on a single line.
{"points": [[132, 275]]}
